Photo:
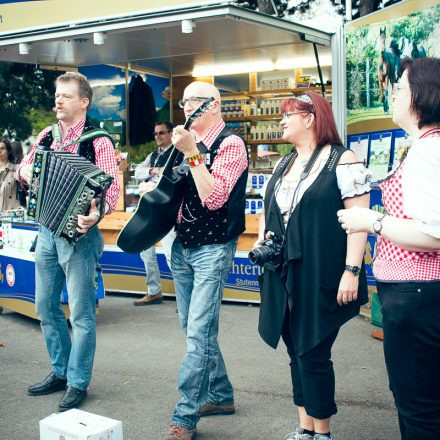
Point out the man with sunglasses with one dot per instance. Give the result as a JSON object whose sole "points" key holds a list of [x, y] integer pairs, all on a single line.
{"points": [[208, 225], [148, 173]]}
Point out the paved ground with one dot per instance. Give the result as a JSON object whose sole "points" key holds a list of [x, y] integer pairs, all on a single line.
{"points": [[139, 351]]}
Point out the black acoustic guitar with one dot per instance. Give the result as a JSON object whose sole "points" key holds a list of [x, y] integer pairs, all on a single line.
{"points": [[157, 209]]}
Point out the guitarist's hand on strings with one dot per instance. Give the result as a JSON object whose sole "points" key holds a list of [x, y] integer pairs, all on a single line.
{"points": [[184, 141], [85, 222]]}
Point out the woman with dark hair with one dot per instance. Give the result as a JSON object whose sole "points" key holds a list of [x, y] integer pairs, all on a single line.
{"points": [[318, 281], [407, 262], [8, 185], [17, 151]]}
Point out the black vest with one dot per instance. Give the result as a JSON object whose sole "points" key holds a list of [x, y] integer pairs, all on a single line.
{"points": [[313, 263], [86, 148], [199, 226], [160, 160]]}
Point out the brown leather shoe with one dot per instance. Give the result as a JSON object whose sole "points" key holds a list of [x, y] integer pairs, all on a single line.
{"points": [[148, 300], [211, 409], [177, 432]]}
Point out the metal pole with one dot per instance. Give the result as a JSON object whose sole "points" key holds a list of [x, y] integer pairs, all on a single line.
{"points": [[348, 10], [367, 74], [319, 69]]}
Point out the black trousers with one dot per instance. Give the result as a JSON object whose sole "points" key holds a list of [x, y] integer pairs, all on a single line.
{"points": [[411, 327], [313, 377]]}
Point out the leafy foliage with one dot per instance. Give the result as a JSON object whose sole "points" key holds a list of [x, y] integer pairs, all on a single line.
{"points": [[138, 153], [359, 7], [26, 93]]}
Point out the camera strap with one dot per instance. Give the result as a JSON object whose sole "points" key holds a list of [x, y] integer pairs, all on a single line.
{"points": [[303, 175]]}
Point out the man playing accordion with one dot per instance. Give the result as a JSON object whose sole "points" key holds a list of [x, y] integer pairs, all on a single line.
{"points": [[57, 261]]}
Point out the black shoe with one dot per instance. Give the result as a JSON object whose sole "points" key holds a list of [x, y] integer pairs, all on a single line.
{"points": [[72, 398], [51, 384]]}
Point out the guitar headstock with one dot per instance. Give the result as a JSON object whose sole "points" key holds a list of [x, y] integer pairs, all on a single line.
{"points": [[206, 105]]}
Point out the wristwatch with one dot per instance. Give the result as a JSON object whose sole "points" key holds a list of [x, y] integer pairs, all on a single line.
{"points": [[355, 270], [377, 225]]}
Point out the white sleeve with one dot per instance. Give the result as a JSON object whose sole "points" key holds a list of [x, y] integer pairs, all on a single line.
{"points": [[421, 185], [353, 179], [142, 171]]}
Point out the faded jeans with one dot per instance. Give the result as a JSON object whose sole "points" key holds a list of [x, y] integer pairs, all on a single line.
{"points": [[150, 260], [56, 262], [199, 278]]}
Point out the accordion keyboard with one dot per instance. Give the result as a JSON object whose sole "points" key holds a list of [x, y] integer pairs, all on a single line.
{"points": [[62, 187]]}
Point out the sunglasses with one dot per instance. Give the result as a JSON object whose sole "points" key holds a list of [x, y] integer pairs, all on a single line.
{"points": [[160, 133]]}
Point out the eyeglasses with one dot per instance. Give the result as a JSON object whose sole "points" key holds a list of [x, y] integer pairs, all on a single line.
{"points": [[192, 100], [397, 87], [287, 115], [160, 133], [3, 148]]}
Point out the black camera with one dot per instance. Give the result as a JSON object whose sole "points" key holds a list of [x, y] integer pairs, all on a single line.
{"points": [[269, 253]]}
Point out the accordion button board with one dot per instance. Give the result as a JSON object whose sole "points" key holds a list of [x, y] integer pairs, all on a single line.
{"points": [[62, 187]]}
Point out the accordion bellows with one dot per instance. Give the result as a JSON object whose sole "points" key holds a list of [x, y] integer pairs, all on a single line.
{"points": [[63, 185]]}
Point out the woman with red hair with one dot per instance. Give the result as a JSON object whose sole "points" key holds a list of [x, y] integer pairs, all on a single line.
{"points": [[317, 281]]}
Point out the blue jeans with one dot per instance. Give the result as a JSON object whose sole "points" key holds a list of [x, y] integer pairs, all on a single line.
{"points": [[199, 278], [57, 262], [151, 266]]}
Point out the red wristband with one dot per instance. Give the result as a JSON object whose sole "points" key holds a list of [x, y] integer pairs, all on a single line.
{"points": [[195, 160]]}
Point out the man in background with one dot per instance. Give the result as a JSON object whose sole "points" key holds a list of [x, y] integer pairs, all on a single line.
{"points": [[148, 173]]}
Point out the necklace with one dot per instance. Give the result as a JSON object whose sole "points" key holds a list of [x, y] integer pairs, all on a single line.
{"points": [[303, 162]]}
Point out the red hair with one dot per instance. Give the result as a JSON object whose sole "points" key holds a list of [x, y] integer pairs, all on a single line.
{"points": [[325, 126]]}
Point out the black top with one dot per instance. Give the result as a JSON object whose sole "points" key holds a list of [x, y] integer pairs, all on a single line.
{"points": [[141, 111], [313, 263], [159, 158], [200, 226]]}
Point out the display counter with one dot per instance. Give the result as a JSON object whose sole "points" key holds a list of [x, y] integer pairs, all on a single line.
{"points": [[126, 272], [122, 272], [17, 270]]}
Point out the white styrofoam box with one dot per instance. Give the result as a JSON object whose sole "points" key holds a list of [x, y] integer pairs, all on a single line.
{"points": [[79, 425]]}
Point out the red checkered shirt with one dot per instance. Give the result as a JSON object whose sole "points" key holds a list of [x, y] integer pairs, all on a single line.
{"points": [[104, 157], [392, 263], [227, 167]]}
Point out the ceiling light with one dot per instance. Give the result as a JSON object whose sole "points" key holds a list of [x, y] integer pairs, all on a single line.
{"points": [[98, 38], [24, 48], [187, 26]]}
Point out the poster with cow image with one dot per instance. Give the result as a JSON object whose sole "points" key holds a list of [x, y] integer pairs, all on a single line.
{"points": [[376, 47]]}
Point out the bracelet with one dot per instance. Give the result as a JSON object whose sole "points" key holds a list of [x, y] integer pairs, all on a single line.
{"points": [[195, 160]]}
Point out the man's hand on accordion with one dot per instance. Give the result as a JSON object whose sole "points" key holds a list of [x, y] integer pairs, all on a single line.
{"points": [[25, 173], [85, 222]]}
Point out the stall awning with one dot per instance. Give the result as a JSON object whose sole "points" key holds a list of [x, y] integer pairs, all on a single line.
{"points": [[153, 40]]}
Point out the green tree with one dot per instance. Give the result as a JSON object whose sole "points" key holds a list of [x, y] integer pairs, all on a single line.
{"points": [[26, 94], [283, 9]]}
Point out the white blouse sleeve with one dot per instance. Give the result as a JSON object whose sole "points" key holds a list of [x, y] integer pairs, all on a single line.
{"points": [[353, 179], [421, 185]]}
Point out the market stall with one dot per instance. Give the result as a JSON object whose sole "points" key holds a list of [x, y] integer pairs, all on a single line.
{"points": [[255, 60]]}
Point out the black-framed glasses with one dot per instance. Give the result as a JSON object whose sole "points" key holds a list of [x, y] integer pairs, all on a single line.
{"points": [[160, 133], [193, 100]]}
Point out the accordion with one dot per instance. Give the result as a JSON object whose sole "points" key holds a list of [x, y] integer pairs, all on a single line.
{"points": [[63, 185]]}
